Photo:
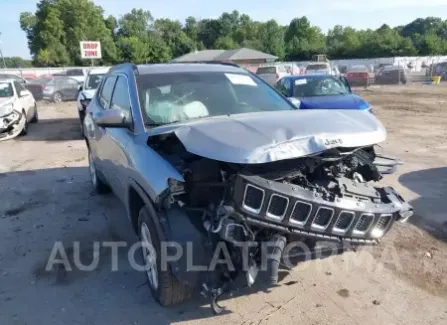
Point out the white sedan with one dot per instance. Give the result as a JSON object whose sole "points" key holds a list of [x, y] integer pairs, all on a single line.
{"points": [[17, 109]]}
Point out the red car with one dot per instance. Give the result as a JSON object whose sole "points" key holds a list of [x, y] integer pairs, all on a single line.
{"points": [[358, 76]]}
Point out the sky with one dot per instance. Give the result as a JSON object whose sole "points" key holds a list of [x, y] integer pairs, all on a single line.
{"points": [[359, 14]]}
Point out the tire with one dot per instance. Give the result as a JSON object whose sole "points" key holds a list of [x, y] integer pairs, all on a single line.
{"points": [[36, 114], [166, 289], [57, 97], [25, 127], [98, 184]]}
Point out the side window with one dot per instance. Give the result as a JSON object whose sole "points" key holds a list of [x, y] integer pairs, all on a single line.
{"points": [[120, 97], [106, 92], [75, 72]]}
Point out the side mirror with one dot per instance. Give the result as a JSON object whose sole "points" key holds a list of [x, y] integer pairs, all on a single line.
{"points": [[80, 87], [295, 101], [112, 118]]}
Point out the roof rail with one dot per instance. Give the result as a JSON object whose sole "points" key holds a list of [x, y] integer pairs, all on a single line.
{"points": [[125, 65], [211, 62]]}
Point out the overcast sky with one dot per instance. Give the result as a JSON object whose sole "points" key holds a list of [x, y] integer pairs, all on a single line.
{"points": [[323, 13]]}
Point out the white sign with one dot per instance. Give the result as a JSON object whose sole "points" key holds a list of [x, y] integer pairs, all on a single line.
{"points": [[91, 50], [300, 82], [240, 79]]}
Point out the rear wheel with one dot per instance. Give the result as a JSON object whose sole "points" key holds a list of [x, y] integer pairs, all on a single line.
{"points": [[164, 286], [98, 184]]}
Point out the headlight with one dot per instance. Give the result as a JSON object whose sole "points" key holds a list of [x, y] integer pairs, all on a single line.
{"points": [[5, 110]]}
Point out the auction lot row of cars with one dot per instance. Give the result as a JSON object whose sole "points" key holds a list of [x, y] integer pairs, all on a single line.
{"points": [[209, 154]]}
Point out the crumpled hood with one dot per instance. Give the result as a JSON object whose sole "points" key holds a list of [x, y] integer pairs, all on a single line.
{"points": [[272, 136], [334, 102]]}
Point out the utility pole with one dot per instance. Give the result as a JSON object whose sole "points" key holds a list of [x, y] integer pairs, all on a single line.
{"points": [[1, 54]]}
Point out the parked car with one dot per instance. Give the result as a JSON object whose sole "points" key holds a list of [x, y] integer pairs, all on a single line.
{"points": [[36, 86], [61, 88], [77, 74], [391, 75], [87, 90], [322, 67], [271, 73], [358, 75], [17, 109], [321, 92], [209, 157]]}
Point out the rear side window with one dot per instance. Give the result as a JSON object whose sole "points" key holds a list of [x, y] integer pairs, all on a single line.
{"points": [[75, 72], [120, 98], [265, 70], [106, 92]]}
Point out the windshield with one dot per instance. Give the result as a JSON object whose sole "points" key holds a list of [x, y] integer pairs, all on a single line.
{"points": [[175, 97], [319, 86], [93, 81], [317, 67], [6, 90]]}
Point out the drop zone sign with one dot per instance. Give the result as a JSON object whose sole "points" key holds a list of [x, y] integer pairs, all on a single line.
{"points": [[90, 50]]}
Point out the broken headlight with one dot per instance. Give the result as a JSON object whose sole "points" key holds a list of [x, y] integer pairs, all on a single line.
{"points": [[6, 110]]}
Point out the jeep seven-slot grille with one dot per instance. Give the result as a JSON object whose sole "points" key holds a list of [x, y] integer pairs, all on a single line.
{"points": [[364, 223], [253, 198], [323, 218], [277, 207], [312, 216]]}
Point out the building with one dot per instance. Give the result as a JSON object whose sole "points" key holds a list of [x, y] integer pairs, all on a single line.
{"points": [[239, 56]]}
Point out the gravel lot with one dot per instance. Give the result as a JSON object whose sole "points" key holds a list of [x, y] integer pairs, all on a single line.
{"points": [[47, 197]]}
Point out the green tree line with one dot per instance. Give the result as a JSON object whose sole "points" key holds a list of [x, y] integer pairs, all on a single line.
{"points": [[56, 28]]}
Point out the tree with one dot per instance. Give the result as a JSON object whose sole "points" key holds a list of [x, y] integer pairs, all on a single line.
{"points": [[56, 28]]}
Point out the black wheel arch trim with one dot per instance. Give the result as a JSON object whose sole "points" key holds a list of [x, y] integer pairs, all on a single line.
{"points": [[174, 225]]}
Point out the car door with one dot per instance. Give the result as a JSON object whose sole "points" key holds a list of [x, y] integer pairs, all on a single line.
{"points": [[95, 133], [115, 140], [26, 99]]}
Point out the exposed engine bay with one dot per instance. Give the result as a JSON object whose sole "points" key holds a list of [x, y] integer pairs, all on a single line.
{"points": [[326, 196]]}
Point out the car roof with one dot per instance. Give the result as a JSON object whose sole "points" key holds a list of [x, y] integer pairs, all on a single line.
{"points": [[6, 80], [188, 67]]}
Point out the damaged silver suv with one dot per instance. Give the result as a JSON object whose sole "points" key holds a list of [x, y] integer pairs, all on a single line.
{"points": [[205, 155]]}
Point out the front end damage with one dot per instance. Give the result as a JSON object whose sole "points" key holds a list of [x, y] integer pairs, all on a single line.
{"points": [[325, 196], [11, 125]]}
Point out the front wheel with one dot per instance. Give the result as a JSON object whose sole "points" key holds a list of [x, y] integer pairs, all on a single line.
{"points": [[36, 114], [57, 97], [164, 286], [25, 125]]}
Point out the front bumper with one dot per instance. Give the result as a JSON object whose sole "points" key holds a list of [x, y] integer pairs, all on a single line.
{"points": [[292, 209], [11, 125]]}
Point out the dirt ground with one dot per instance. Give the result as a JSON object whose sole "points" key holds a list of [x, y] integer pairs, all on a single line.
{"points": [[46, 196]]}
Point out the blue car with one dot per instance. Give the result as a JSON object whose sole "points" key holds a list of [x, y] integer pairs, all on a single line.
{"points": [[318, 91]]}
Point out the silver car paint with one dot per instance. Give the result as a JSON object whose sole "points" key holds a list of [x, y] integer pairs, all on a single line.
{"points": [[272, 136]]}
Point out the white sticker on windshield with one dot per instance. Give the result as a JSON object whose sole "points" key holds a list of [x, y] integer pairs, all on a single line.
{"points": [[240, 79], [300, 82]]}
